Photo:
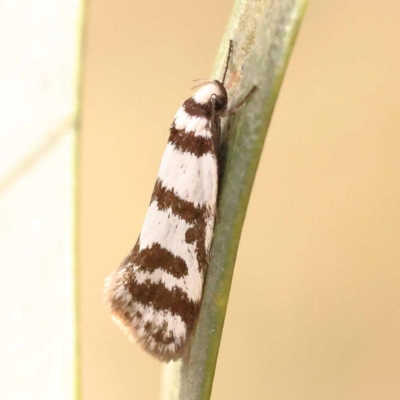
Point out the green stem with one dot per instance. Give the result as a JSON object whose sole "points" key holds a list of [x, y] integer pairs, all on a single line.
{"points": [[263, 34]]}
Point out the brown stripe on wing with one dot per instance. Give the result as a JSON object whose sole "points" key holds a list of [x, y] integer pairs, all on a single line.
{"points": [[186, 210], [196, 216], [160, 298], [188, 142], [157, 257], [195, 109]]}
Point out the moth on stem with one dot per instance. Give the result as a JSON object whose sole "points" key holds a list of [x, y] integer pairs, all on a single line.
{"points": [[155, 294]]}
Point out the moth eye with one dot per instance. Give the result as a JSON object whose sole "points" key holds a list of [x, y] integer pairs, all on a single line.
{"points": [[220, 103]]}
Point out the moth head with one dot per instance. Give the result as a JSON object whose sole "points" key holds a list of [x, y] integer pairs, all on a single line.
{"points": [[212, 91]]}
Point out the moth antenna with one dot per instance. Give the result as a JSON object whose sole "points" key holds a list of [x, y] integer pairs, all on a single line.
{"points": [[201, 84], [227, 60]]}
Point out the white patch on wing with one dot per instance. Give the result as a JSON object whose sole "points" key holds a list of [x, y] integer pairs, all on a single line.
{"points": [[169, 230], [192, 178], [203, 95], [189, 123]]}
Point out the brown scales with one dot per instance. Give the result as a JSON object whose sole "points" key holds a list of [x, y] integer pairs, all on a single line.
{"points": [[156, 257], [188, 142]]}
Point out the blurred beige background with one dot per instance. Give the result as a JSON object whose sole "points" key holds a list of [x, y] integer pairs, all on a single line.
{"points": [[314, 308]]}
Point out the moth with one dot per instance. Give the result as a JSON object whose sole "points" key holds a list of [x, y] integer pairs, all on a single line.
{"points": [[155, 294]]}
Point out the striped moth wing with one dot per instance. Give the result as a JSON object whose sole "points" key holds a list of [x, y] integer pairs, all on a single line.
{"points": [[155, 294]]}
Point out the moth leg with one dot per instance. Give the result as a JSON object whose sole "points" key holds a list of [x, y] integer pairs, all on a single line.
{"points": [[223, 139], [232, 110], [218, 147], [215, 126]]}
